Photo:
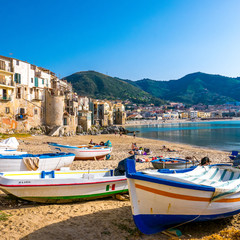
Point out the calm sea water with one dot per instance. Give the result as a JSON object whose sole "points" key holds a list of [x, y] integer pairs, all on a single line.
{"points": [[221, 135]]}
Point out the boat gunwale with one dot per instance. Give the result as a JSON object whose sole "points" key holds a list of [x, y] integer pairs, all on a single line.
{"points": [[40, 156], [132, 174], [58, 185], [78, 147]]}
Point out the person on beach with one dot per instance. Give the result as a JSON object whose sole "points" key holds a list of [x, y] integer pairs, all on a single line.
{"points": [[134, 146], [134, 134], [205, 161], [91, 142], [120, 134]]}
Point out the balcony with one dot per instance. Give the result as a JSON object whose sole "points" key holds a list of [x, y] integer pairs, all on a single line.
{"points": [[5, 98], [38, 74], [7, 83], [37, 98], [6, 69], [21, 117]]}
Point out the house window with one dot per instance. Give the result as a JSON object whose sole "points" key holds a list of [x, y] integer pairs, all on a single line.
{"points": [[7, 110], [17, 78], [65, 121], [22, 111], [31, 80], [18, 93], [17, 62], [2, 65], [31, 90], [35, 111], [42, 81]]}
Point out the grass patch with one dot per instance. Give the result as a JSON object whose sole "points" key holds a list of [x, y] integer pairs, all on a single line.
{"points": [[4, 216], [16, 135]]}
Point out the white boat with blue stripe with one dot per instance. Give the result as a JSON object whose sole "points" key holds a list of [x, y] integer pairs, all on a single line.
{"points": [[33, 162], [165, 198]]}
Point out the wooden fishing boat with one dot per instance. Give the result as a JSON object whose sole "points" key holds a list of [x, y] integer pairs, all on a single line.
{"points": [[83, 152], [11, 152], [163, 199], [62, 186], [172, 163], [9, 143], [32, 162]]}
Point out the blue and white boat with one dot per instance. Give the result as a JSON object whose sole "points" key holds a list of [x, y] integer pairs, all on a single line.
{"points": [[33, 162], [162, 199], [172, 163]]}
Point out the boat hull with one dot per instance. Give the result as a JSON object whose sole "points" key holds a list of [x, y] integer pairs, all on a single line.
{"points": [[63, 188], [158, 204], [46, 162], [82, 153], [158, 164]]}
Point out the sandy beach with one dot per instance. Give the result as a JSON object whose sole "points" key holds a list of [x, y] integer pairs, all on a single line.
{"points": [[100, 219]]}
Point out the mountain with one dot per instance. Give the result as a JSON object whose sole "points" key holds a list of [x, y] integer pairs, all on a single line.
{"points": [[193, 88], [98, 85]]}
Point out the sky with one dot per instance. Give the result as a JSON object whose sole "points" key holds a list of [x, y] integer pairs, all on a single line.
{"points": [[129, 39]]}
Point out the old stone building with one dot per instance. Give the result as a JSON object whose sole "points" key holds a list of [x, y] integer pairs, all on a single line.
{"points": [[32, 96], [119, 114]]}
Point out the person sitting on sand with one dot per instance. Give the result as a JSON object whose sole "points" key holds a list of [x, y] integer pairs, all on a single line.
{"points": [[164, 148], [205, 161], [134, 146], [101, 143], [91, 142]]}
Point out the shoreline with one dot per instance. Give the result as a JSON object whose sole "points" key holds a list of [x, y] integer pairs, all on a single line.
{"points": [[157, 122]]}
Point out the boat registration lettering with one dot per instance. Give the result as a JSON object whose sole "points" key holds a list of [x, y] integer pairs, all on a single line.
{"points": [[21, 182]]}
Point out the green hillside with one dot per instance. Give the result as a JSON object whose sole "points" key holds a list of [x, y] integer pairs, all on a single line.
{"points": [[97, 85], [194, 88]]}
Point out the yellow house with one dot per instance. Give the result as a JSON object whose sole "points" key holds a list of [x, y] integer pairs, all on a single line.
{"points": [[6, 79], [184, 115], [204, 114]]}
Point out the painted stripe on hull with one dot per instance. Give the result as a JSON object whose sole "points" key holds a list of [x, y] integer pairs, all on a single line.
{"points": [[90, 158], [153, 223], [59, 185], [63, 199], [182, 197]]}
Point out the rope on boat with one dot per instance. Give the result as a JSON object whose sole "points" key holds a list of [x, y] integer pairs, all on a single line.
{"points": [[32, 163]]}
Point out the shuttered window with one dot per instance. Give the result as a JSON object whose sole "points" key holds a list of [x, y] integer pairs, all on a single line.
{"points": [[17, 77]]}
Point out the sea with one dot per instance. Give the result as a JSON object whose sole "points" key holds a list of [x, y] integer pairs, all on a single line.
{"points": [[220, 135]]}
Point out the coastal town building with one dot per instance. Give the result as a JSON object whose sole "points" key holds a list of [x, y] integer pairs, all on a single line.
{"points": [[119, 114], [32, 97]]}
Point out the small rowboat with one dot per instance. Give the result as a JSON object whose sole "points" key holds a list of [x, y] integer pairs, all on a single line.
{"points": [[172, 163], [11, 152], [32, 162], [83, 152], [62, 186], [9, 143], [163, 199]]}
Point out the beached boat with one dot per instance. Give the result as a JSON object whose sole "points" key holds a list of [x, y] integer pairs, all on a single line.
{"points": [[163, 199], [11, 152], [83, 152], [172, 163], [9, 143], [63, 186], [26, 162]]}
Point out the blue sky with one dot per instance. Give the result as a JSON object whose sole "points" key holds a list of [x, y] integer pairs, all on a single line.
{"points": [[130, 39]]}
